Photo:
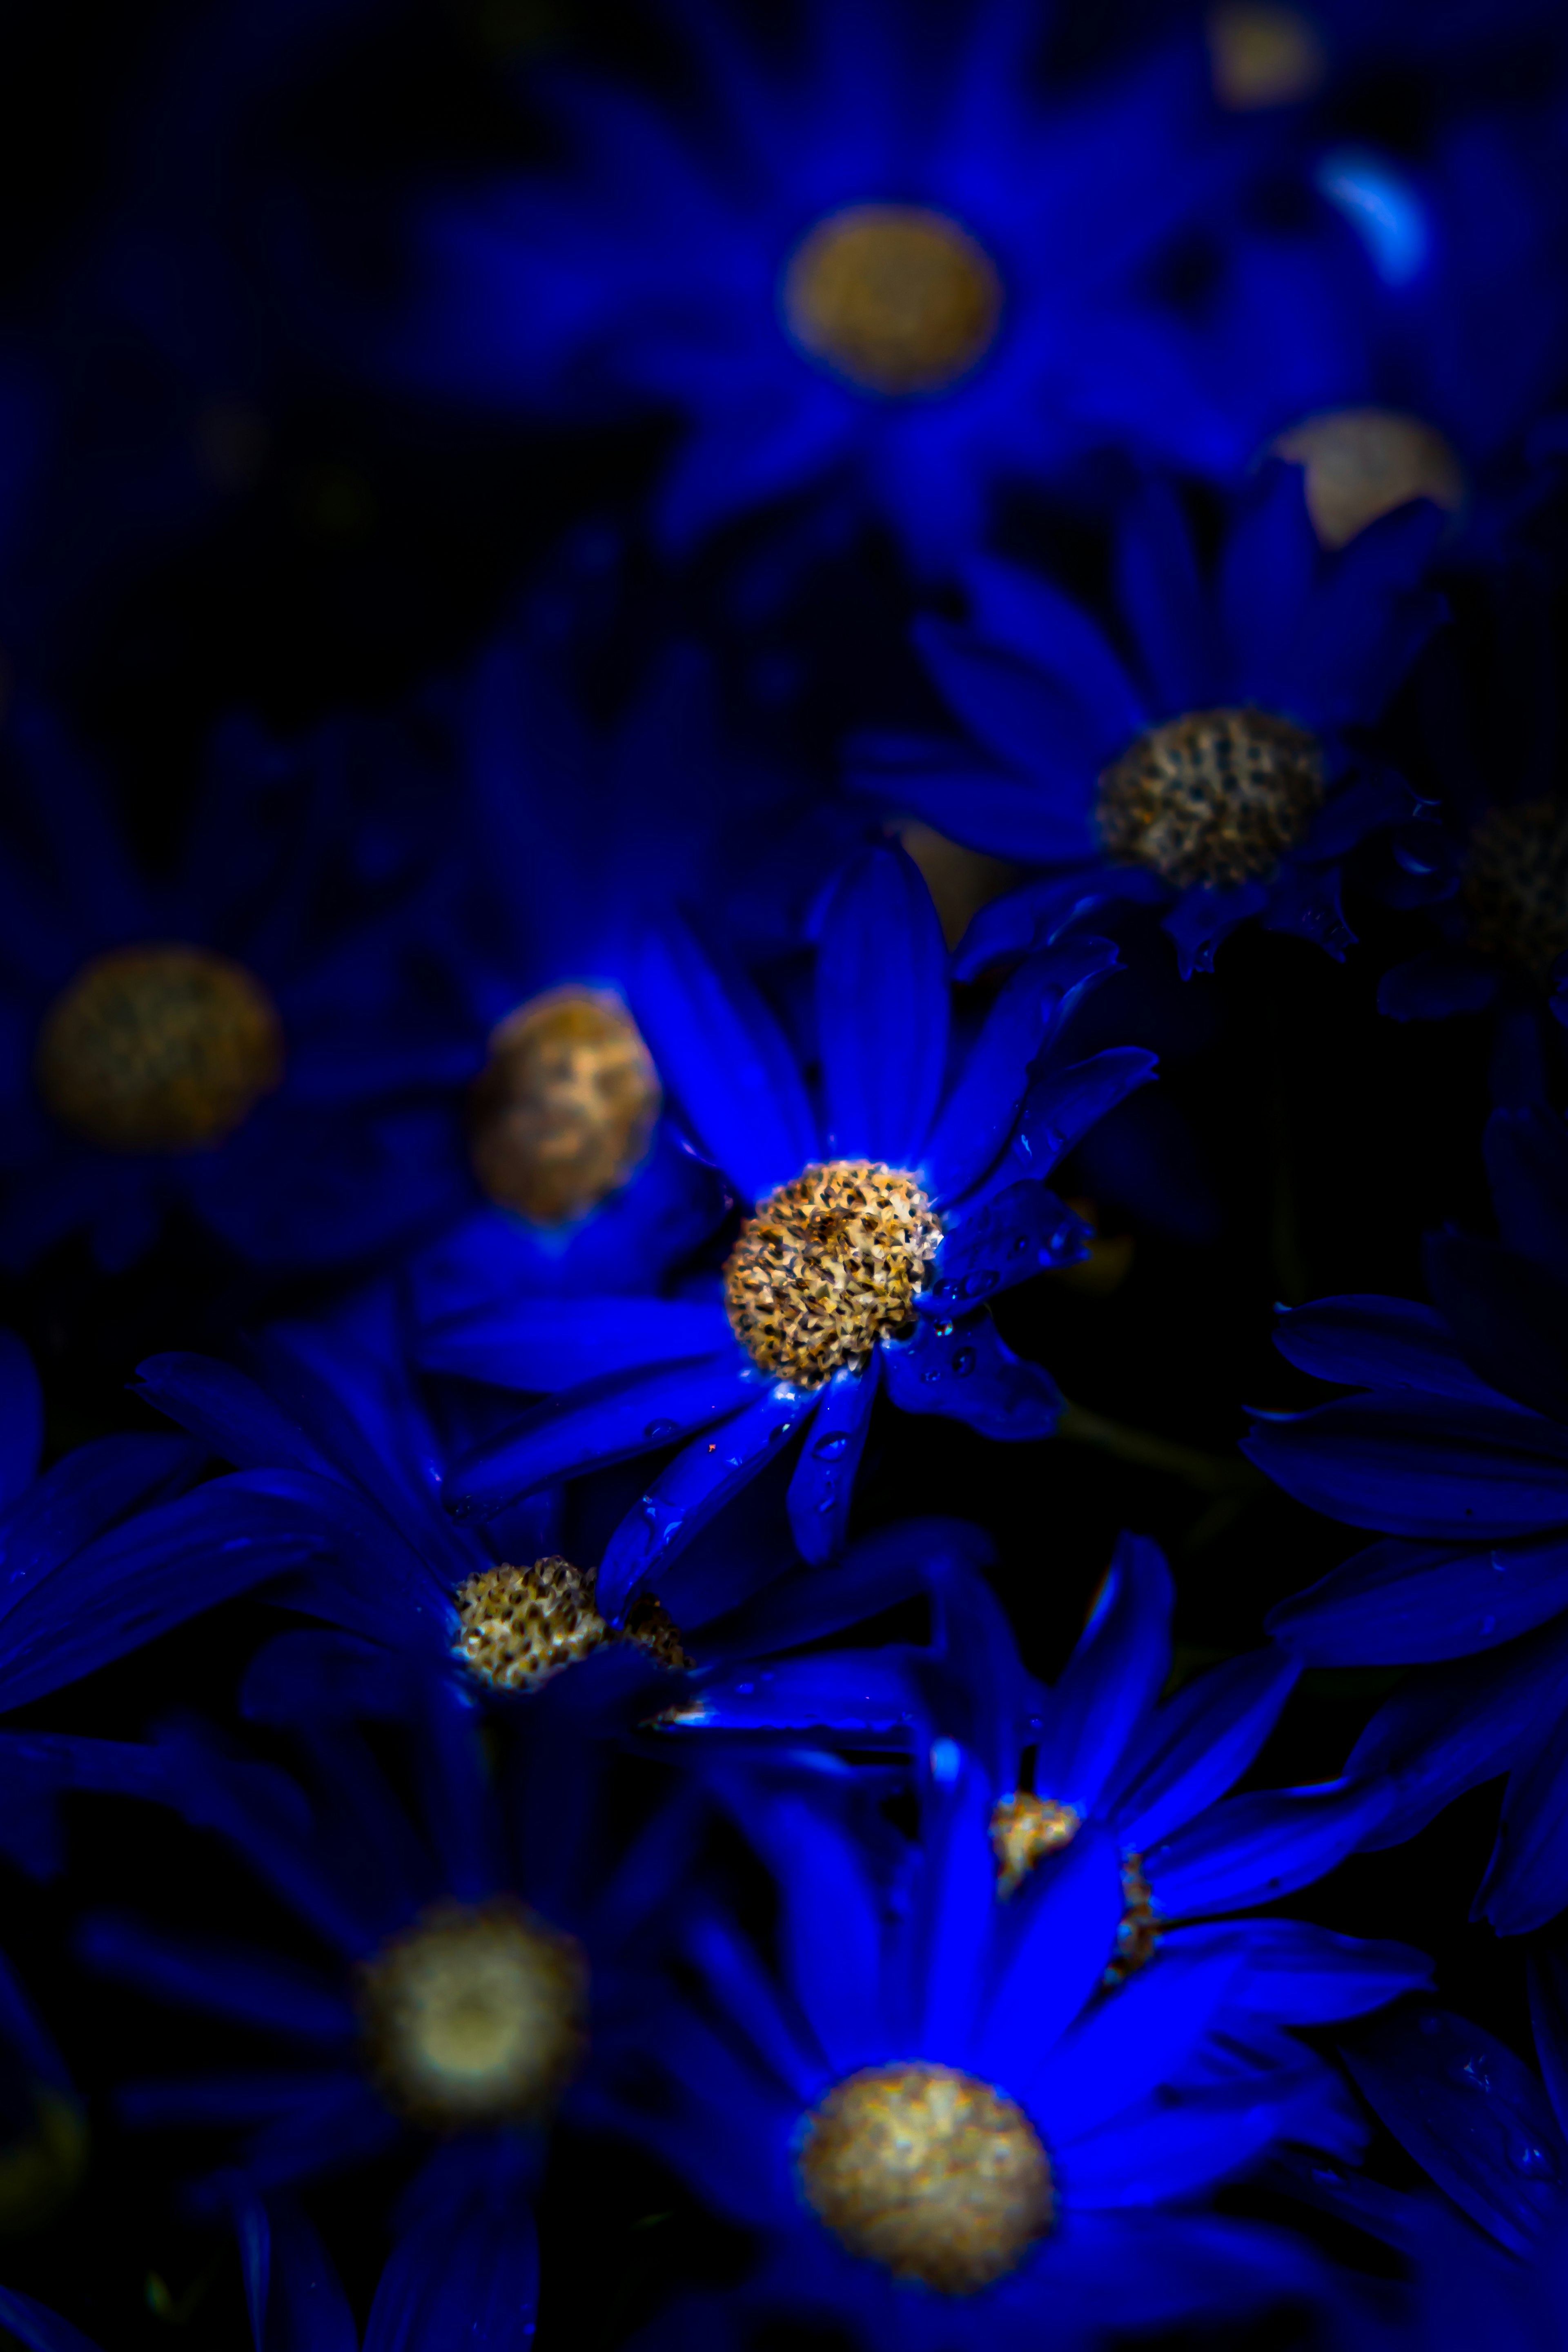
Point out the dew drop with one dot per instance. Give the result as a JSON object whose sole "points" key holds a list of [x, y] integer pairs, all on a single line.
{"points": [[1020, 1245], [944, 1328], [1056, 1138], [964, 1363], [671, 1530], [658, 1429], [829, 1448], [945, 1759], [1535, 2163], [977, 1284], [932, 1377], [744, 1690], [830, 1501], [1500, 1565]]}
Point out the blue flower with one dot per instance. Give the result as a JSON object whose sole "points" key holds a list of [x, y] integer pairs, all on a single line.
{"points": [[339, 1448], [1457, 1454], [252, 1044], [1218, 771], [880, 1223], [479, 1958], [944, 2123], [890, 263], [106, 1549]]}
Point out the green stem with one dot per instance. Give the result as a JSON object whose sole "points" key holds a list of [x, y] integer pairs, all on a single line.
{"points": [[1211, 1473]]}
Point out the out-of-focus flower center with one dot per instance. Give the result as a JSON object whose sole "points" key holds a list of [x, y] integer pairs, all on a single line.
{"points": [[43, 2164], [158, 1048], [519, 1627], [829, 1264], [1262, 55], [1361, 463], [939, 2178], [1216, 798], [563, 1109], [474, 2015], [1024, 1830], [898, 299], [1515, 884]]}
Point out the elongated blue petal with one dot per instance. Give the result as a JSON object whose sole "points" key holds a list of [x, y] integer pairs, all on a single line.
{"points": [[882, 1010], [1193, 1748], [254, 1987], [464, 2270], [721, 1052], [981, 1112], [1379, 1343], [297, 2303], [1173, 2151], [82, 1495], [21, 1419], [959, 1916], [1401, 1603], [1527, 1166], [1111, 1680], [873, 1691], [1523, 1885], [1010, 1236], [1020, 714], [970, 797], [1507, 1314], [823, 1487], [832, 1936], [1126, 2045], [878, 1571], [1022, 610], [235, 1416], [1062, 1929], [1303, 1975], [683, 1498], [1063, 1104], [39, 2329], [1255, 1848], [599, 1421], [749, 1999], [1410, 1468], [547, 1344], [960, 1365]]}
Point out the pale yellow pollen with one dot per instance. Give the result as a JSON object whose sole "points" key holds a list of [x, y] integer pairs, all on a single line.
{"points": [[563, 1112], [1361, 463], [1262, 55], [1213, 799], [936, 2175], [520, 1627], [1024, 1830], [898, 299], [474, 2015], [1140, 1928], [160, 1047], [829, 1264], [1515, 884]]}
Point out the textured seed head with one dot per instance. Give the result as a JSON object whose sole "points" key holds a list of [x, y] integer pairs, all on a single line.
{"points": [[1140, 1928], [519, 1627], [829, 1264], [1216, 798], [158, 1048], [936, 2175], [474, 2015], [1361, 463], [1024, 1830], [1516, 884], [897, 300], [563, 1112]]}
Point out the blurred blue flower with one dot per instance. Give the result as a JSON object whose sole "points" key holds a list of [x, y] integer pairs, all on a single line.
{"points": [[1457, 1454], [893, 264], [1219, 769], [255, 1042], [882, 1220]]}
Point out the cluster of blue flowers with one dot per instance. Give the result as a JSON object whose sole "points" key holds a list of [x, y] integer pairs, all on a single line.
{"points": [[764, 770]]}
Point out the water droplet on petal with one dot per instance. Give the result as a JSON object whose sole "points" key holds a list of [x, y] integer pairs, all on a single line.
{"points": [[830, 1500], [671, 1530], [829, 1448], [977, 1284], [1020, 1245], [944, 1328], [964, 1363], [656, 1429], [1500, 1564], [932, 1377], [1535, 2163]]}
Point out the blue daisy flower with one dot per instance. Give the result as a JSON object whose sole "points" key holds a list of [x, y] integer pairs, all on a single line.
{"points": [[110, 1547], [479, 1959], [1218, 770], [878, 1224], [341, 1447], [1454, 1452], [943, 2123], [1489, 2254], [252, 1044], [892, 261]]}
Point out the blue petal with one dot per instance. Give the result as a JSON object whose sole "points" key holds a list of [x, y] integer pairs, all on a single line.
{"points": [[979, 1115], [1509, 1316], [1379, 1343], [1256, 1848], [1471, 2114], [1302, 1974], [1129, 2043], [21, 1419], [1418, 1468], [698, 1483], [297, 2303], [953, 786], [602, 1421], [545, 1344], [1195, 1747], [1455, 1726], [233, 1980], [1171, 2152], [723, 1053], [749, 1998], [1401, 1603], [960, 1365], [84, 1494], [1527, 1164], [1523, 1885], [1111, 1682], [235, 1417], [1023, 715], [464, 2270], [882, 1010], [845, 1691], [1201, 921], [1062, 1925], [1040, 912], [1009, 1236], [246, 2095], [1167, 608], [877, 1571], [1023, 613], [39, 2329], [1062, 1105], [1438, 983], [823, 1487], [831, 1931], [1270, 568], [959, 1912]]}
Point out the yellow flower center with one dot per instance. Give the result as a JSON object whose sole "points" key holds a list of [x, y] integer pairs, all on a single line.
{"points": [[829, 1264], [897, 300], [939, 2178], [1262, 55], [1361, 463], [563, 1112], [1516, 884], [1024, 1830], [474, 2015], [158, 1048], [520, 1627], [1214, 799]]}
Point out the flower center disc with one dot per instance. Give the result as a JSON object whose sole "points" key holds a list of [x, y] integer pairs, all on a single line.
{"points": [[1024, 1830], [939, 2178], [563, 1112], [474, 2015], [830, 1264], [520, 1627], [1361, 463], [1262, 55], [160, 1048], [897, 300], [1516, 884], [1214, 799]]}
